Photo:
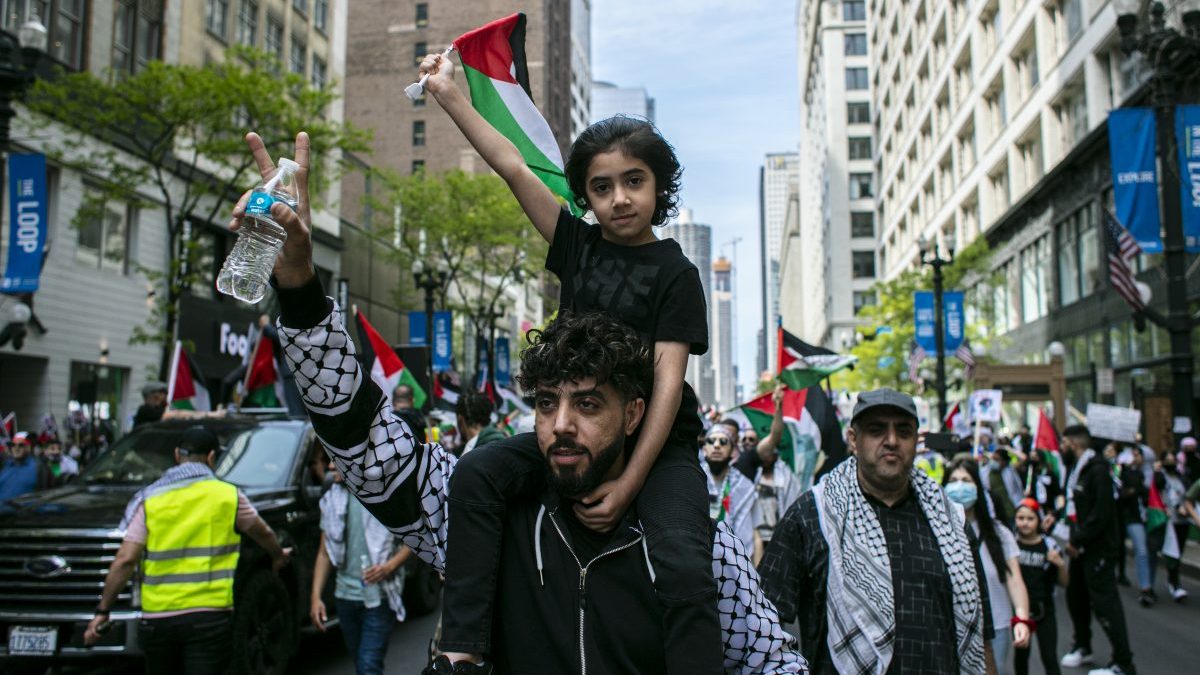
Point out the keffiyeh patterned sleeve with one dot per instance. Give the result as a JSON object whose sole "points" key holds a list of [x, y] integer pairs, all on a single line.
{"points": [[399, 480], [755, 642]]}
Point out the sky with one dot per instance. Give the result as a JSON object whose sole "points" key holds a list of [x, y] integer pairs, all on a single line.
{"points": [[723, 76]]}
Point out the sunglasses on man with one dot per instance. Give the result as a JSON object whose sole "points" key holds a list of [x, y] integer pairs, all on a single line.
{"points": [[717, 441]]}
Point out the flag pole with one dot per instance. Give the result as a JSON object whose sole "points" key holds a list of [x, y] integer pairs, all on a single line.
{"points": [[415, 90]]}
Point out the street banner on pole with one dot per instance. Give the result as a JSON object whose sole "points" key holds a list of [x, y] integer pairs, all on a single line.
{"points": [[443, 340], [1113, 422], [1131, 144], [1187, 134], [416, 329], [953, 319], [27, 223], [503, 374], [925, 321]]}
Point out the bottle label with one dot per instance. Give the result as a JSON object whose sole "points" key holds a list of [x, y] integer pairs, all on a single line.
{"points": [[260, 204]]}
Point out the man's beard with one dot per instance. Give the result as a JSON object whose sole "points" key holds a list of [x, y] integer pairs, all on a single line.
{"points": [[571, 482], [718, 467]]}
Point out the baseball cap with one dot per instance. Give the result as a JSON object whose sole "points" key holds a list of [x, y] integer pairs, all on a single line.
{"points": [[153, 387], [198, 441], [884, 398], [21, 438]]}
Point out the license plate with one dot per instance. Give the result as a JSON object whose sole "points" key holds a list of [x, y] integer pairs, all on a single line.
{"points": [[32, 640]]}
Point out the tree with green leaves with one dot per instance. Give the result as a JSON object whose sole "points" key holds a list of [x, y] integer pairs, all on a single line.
{"points": [[889, 328], [471, 227], [171, 138]]}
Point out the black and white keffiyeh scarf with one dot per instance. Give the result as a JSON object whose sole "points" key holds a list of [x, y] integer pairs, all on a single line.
{"points": [[860, 607]]}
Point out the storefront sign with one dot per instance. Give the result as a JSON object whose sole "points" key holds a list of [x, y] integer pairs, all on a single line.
{"points": [[1131, 145], [27, 223]]}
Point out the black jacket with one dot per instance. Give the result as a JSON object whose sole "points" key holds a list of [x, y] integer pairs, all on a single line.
{"points": [[1094, 530]]}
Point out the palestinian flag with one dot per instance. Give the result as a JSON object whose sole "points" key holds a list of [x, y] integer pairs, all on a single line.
{"points": [[387, 370], [8, 426], [445, 392], [802, 365], [185, 385], [263, 385], [1047, 440], [493, 59], [805, 439]]}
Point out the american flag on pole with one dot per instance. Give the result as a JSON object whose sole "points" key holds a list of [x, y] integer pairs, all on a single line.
{"points": [[963, 353], [1122, 249], [915, 357]]}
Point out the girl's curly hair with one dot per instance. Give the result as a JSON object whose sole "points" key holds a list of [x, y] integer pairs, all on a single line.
{"points": [[636, 138], [574, 347]]}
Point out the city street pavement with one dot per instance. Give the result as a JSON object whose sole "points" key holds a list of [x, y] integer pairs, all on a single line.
{"points": [[408, 652]]}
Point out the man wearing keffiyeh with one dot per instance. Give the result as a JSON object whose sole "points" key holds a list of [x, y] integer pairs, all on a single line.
{"points": [[875, 563]]}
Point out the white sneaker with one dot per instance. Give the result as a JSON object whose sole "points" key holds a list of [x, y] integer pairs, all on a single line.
{"points": [[1178, 594], [1076, 657], [1111, 669]]}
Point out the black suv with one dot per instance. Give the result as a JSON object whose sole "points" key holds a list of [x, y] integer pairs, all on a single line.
{"points": [[56, 546]]}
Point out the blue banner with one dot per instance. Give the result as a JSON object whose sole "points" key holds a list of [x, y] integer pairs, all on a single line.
{"points": [[503, 374], [1135, 174], [952, 310], [416, 329], [924, 319], [26, 223], [1187, 134], [443, 340]]}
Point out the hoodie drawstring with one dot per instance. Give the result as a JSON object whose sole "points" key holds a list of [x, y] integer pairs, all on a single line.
{"points": [[537, 543]]}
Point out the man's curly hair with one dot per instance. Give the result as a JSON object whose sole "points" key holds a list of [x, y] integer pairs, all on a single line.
{"points": [[574, 347]]}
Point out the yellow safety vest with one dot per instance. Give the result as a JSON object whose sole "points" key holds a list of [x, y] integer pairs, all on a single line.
{"points": [[192, 547], [935, 469]]}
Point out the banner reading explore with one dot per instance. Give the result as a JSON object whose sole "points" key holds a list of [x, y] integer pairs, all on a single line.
{"points": [[27, 223], [1135, 174]]}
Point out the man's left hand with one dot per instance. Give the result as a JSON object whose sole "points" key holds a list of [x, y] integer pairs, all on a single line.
{"points": [[602, 508], [379, 573]]}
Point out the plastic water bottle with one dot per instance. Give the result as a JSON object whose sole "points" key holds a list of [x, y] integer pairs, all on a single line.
{"points": [[248, 267], [364, 562]]}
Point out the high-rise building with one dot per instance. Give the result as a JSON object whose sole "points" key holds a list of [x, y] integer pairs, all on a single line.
{"points": [[834, 269], [722, 334], [696, 241], [581, 65], [101, 282], [990, 120], [778, 178], [609, 99]]}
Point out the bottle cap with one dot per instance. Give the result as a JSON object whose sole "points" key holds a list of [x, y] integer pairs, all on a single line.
{"points": [[288, 166]]}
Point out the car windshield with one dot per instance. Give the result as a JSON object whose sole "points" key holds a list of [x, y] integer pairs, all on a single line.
{"points": [[254, 457]]}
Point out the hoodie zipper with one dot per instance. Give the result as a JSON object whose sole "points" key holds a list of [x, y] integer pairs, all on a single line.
{"points": [[583, 570]]}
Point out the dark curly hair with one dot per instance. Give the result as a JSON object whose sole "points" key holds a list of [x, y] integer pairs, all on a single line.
{"points": [[578, 346], [636, 138], [473, 407]]}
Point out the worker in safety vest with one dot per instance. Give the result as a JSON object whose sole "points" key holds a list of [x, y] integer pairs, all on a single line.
{"points": [[187, 524], [930, 461]]}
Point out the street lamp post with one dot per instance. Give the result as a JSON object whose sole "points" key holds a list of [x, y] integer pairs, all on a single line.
{"points": [[1172, 53], [428, 280], [929, 256], [19, 56]]}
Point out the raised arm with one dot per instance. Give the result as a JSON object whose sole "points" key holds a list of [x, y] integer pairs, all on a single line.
{"points": [[769, 445], [401, 482], [538, 202]]}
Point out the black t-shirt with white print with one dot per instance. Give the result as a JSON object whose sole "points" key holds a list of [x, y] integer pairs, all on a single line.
{"points": [[653, 288], [1039, 574]]}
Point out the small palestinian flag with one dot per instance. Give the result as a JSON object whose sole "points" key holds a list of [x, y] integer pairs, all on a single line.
{"points": [[385, 366], [493, 59], [263, 386], [803, 437], [802, 365], [185, 386]]}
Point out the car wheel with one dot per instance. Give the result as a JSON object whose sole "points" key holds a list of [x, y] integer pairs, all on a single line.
{"points": [[422, 588], [264, 627]]}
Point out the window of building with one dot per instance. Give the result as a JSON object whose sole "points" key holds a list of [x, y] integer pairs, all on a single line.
{"points": [[64, 25], [1001, 198], [863, 264], [420, 49], [274, 36], [300, 6], [422, 14], [860, 147], [1078, 257], [856, 44], [418, 165], [1025, 65], [1072, 118], [298, 55], [861, 186], [419, 102], [1035, 261], [1071, 14], [321, 15], [862, 224], [216, 18], [137, 34], [103, 235], [247, 27], [1029, 156], [319, 72], [854, 10], [418, 133], [863, 299], [856, 78], [858, 112]]}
